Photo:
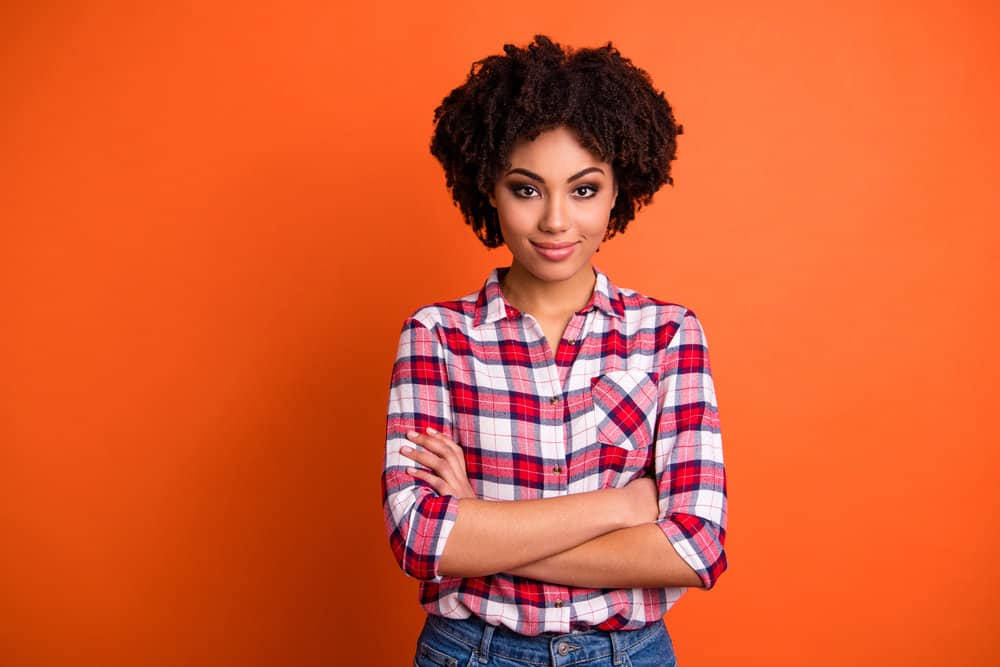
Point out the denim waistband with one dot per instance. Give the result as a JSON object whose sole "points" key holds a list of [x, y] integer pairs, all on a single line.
{"points": [[543, 649]]}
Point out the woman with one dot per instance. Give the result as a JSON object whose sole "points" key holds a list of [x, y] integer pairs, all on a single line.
{"points": [[553, 470]]}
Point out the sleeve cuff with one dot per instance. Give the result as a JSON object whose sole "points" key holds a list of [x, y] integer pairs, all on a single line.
{"points": [[434, 518], [693, 538]]}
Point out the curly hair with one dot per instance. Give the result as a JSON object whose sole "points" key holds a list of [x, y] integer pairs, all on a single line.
{"points": [[610, 104]]}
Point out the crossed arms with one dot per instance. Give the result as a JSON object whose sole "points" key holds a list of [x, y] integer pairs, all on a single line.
{"points": [[598, 539], [650, 533]]}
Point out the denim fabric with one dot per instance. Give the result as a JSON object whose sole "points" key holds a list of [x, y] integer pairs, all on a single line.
{"points": [[445, 642]]}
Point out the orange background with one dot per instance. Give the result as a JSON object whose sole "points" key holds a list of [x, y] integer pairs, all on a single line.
{"points": [[216, 216]]}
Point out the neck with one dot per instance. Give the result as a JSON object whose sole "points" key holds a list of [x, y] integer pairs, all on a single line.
{"points": [[547, 298]]}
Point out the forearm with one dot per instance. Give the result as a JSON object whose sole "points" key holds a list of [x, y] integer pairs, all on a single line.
{"points": [[640, 556], [498, 536]]}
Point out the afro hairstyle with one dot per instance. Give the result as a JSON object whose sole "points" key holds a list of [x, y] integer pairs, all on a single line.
{"points": [[608, 102]]}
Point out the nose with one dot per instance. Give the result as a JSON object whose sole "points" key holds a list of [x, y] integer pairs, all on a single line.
{"points": [[555, 218]]}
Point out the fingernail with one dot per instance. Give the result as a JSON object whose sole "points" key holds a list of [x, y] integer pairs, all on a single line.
{"points": [[411, 470], [406, 449], [412, 434], [431, 431]]}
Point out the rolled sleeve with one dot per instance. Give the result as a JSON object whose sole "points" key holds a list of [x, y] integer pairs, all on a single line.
{"points": [[418, 520], [689, 464]]}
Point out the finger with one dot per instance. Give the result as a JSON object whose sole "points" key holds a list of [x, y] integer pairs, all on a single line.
{"points": [[437, 447], [448, 442], [438, 443], [435, 482], [447, 467], [445, 457], [447, 462], [428, 440], [426, 458], [422, 440]]}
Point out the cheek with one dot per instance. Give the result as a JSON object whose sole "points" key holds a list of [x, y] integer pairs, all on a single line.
{"points": [[516, 220], [597, 223]]}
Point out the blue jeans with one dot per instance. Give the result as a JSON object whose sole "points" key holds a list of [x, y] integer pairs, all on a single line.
{"points": [[446, 642]]}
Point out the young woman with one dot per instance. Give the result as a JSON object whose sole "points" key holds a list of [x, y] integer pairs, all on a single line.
{"points": [[553, 470]]}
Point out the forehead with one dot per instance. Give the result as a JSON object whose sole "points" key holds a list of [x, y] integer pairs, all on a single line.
{"points": [[555, 150]]}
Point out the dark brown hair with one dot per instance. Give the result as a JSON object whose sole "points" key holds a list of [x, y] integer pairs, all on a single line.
{"points": [[610, 104]]}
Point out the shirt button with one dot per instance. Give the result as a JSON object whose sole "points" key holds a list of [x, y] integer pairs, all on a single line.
{"points": [[572, 341], [559, 604], [556, 469], [554, 400]]}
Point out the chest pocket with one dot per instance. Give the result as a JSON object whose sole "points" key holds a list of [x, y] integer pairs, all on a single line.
{"points": [[625, 408]]}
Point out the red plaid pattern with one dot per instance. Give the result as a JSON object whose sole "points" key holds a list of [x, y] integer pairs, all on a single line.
{"points": [[628, 390]]}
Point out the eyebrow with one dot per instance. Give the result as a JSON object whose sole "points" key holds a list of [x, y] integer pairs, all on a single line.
{"points": [[532, 175]]}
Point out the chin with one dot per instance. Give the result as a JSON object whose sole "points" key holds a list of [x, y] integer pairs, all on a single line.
{"points": [[553, 273]]}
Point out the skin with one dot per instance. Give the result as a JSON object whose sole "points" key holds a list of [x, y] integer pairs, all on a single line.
{"points": [[555, 192]]}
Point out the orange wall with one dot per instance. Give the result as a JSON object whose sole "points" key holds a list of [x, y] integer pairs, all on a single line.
{"points": [[214, 218]]}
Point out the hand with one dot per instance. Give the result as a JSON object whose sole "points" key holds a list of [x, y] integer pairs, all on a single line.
{"points": [[446, 460], [643, 500]]}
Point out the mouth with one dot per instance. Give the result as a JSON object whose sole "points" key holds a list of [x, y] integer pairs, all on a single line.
{"points": [[554, 251]]}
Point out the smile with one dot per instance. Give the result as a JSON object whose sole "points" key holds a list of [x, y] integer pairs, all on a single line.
{"points": [[554, 251]]}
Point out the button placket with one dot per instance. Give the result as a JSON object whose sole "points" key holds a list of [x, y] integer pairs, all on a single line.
{"points": [[545, 377], [557, 403], [572, 336]]}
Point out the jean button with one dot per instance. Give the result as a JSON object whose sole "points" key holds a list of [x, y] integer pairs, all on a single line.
{"points": [[563, 648]]}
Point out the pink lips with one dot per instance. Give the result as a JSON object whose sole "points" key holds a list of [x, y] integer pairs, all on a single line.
{"points": [[554, 251]]}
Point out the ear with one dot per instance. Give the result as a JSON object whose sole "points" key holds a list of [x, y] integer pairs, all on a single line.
{"points": [[493, 200]]}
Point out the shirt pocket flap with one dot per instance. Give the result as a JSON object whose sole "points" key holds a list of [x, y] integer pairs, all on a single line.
{"points": [[625, 407]]}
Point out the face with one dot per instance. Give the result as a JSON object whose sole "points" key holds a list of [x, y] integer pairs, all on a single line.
{"points": [[553, 204]]}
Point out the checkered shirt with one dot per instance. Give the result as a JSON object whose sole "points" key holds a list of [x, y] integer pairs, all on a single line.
{"points": [[629, 390]]}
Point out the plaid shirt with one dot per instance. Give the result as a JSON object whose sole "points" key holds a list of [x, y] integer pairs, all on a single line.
{"points": [[629, 389]]}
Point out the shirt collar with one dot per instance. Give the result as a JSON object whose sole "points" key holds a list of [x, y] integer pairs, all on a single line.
{"points": [[492, 307]]}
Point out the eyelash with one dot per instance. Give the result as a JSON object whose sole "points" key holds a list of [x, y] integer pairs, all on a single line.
{"points": [[517, 190]]}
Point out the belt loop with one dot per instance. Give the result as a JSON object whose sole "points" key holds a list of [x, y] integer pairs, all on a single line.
{"points": [[484, 645], [618, 646]]}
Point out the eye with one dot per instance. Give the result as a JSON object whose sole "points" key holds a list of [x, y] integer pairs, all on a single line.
{"points": [[585, 191], [524, 191]]}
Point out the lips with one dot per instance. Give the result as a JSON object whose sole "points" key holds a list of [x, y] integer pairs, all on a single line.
{"points": [[554, 251]]}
